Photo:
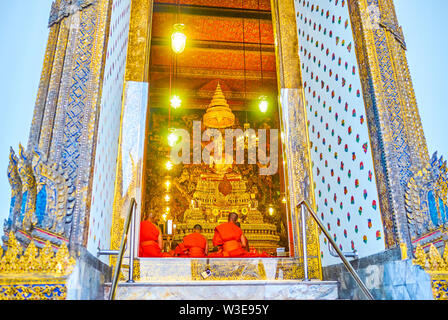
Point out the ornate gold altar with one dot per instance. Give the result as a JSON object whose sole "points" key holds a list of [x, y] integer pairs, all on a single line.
{"points": [[222, 189], [210, 207]]}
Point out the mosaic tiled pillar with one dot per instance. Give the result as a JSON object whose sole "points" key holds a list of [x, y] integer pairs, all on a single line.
{"points": [[47, 69], [366, 135], [136, 74], [137, 66], [294, 127], [67, 107], [100, 219], [47, 125], [395, 127], [341, 151]]}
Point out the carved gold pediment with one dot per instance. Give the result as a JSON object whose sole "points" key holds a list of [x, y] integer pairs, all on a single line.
{"points": [[45, 261]]}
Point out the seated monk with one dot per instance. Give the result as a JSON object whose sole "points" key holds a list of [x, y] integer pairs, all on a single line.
{"points": [[230, 238], [195, 245], [246, 247], [215, 252], [181, 251], [151, 242], [252, 252], [172, 252]]}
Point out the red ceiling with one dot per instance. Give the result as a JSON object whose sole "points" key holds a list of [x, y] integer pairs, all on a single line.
{"points": [[214, 28], [216, 59], [214, 51], [246, 4]]}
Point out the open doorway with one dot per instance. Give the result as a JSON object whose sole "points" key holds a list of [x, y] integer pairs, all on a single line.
{"points": [[230, 47]]}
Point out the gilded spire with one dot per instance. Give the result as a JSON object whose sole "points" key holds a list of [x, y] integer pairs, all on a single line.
{"points": [[218, 100], [219, 114]]}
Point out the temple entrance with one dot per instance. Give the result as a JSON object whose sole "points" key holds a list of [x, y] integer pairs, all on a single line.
{"points": [[226, 78]]}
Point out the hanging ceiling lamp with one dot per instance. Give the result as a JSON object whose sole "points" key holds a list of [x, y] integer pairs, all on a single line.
{"points": [[172, 137], [263, 103], [176, 102], [169, 165], [246, 124], [167, 198], [167, 184], [178, 38]]}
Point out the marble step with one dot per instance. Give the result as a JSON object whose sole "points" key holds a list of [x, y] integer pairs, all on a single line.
{"points": [[189, 269], [226, 290]]}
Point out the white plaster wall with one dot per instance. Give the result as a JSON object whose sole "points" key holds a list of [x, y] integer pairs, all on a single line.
{"points": [[108, 130], [343, 171]]}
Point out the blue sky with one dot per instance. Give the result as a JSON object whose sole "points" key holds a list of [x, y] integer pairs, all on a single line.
{"points": [[23, 34]]}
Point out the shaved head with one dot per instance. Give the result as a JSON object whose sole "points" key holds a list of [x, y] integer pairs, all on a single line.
{"points": [[233, 217], [197, 228]]}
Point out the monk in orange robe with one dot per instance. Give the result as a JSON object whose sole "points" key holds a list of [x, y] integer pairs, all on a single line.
{"points": [[181, 251], [231, 239], [151, 242], [194, 245]]}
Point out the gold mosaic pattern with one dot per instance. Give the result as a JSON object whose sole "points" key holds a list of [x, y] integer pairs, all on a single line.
{"points": [[31, 261], [33, 292], [136, 70], [34, 274], [299, 177], [54, 85], [43, 85], [383, 67], [139, 41], [437, 267]]}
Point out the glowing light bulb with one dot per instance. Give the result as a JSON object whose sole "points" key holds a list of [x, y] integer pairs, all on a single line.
{"points": [[284, 200], [167, 209], [178, 39], [271, 211], [176, 102], [172, 139], [167, 184], [263, 104], [164, 216], [167, 198], [169, 165]]}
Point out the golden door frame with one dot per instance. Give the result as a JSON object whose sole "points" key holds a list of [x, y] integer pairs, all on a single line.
{"points": [[297, 168]]}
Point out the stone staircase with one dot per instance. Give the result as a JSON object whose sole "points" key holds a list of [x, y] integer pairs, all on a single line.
{"points": [[228, 279]]}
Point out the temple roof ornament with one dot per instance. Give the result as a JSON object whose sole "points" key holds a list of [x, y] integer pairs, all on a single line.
{"points": [[16, 190], [42, 200], [426, 198], [431, 260], [64, 8], [34, 261], [219, 115]]}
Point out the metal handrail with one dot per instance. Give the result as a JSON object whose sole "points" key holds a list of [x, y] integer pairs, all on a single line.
{"points": [[333, 243], [353, 254], [130, 218]]}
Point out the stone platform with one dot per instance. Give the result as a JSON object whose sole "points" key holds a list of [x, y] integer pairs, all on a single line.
{"points": [[228, 279], [227, 290]]}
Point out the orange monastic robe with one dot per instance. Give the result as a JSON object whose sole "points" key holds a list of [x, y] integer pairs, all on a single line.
{"points": [[228, 235], [181, 251], [195, 243], [149, 235]]}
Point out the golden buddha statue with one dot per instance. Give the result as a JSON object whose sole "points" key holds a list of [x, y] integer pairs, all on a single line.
{"points": [[222, 190]]}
